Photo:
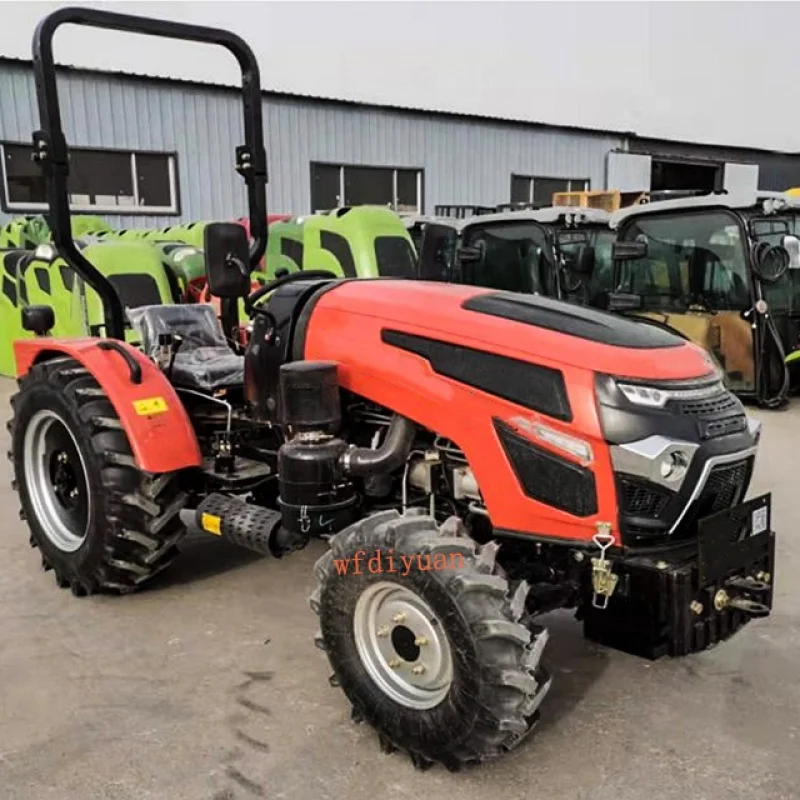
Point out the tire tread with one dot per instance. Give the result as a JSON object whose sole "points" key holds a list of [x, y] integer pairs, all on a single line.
{"points": [[143, 510]]}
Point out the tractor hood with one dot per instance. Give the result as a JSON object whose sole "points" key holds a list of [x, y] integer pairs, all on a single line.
{"points": [[355, 315]]}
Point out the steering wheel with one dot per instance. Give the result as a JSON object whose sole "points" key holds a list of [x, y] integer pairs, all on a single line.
{"points": [[249, 303]]}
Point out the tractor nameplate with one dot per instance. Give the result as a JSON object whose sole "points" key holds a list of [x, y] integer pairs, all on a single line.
{"points": [[211, 524], [150, 405]]}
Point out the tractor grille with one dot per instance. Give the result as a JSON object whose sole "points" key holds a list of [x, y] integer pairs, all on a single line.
{"points": [[641, 499], [716, 416], [724, 488], [721, 404], [647, 511]]}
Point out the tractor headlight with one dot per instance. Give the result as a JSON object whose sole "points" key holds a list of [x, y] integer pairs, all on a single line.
{"points": [[644, 395], [658, 397]]}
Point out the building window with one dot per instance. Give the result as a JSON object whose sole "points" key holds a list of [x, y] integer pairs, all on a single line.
{"points": [[108, 181], [336, 185], [527, 189]]}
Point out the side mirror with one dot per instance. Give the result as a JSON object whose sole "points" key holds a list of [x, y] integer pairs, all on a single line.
{"points": [[791, 244], [227, 259], [628, 251], [38, 319], [622, 301], [582, 263]]}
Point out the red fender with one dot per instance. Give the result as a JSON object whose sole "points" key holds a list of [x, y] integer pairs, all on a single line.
{"points": [[158, 428]]}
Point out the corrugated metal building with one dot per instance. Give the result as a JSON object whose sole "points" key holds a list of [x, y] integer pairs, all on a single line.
{"points": [[152, 152]]}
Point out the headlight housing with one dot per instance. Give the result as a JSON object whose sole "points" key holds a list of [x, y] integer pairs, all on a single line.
{"points": [[659, 396]]}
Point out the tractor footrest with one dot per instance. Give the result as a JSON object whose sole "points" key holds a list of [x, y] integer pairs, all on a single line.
{"points": [[249, 526], [675, 606]]}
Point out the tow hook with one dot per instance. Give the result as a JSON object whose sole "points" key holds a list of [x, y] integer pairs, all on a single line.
{"points": [[604, 581], [728, 597]]}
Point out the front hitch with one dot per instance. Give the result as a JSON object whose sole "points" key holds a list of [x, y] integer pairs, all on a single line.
{"points": [[694, 597], [736, 594]]}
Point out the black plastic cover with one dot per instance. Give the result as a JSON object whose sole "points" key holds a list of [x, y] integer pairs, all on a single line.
{"points": [[528, 385], [571, 320]]}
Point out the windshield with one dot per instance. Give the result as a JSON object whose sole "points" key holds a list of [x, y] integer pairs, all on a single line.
{"points": [[395, 257], [692, 260], [601, 280], [517, 257]]}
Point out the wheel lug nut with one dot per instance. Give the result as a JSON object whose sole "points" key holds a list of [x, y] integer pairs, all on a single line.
{"points": [[383, 631], [421, 641], [394, 663], [418, 669], [400, 616]]}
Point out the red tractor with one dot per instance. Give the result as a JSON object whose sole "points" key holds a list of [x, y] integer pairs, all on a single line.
{"points": [[473, 459]]}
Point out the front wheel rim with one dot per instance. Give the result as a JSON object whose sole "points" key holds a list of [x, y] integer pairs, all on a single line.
{"points": [[55, 477], [403, 645]]}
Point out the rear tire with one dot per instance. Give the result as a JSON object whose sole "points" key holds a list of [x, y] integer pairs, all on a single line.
{"points": [[481, 684], [100, 523]]}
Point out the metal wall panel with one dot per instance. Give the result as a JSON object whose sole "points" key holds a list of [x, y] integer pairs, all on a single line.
{"points": [[629, 172], [202, 127], [464, 161]]}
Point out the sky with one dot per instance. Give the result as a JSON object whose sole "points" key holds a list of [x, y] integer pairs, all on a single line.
{"points": [[711, 72]]}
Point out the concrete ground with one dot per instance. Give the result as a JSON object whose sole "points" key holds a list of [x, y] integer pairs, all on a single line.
{"points": [[141, 696]]}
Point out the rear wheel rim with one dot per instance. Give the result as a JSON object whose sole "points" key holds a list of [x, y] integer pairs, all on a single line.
{"points": [[55, 477], [403, 646]]}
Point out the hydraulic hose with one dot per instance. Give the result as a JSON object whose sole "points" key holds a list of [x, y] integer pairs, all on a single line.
{"points": [[391, 455], [770, 340]]}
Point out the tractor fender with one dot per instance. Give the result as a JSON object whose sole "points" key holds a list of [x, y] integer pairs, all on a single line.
{"points": [[158, 428]]}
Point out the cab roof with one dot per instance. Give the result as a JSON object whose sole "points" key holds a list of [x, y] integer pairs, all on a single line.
{"points": [[772, 202], [546, 216]]}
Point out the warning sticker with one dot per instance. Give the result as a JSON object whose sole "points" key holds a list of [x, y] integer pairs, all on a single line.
{"points": [[211, 524], [149, 406], [760, 518]]}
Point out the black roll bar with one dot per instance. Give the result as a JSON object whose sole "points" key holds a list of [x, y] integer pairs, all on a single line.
{"points": [[52, 155]]}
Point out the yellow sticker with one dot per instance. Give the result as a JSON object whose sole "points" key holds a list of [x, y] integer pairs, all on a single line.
{"points": [[212, 524], [150, 405]]}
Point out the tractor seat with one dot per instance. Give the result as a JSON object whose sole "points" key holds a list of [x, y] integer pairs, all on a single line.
{"points": [[204, 361]]}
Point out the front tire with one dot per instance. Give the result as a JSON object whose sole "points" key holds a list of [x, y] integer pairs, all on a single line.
{"points": [[437, 660], [100, 523]]}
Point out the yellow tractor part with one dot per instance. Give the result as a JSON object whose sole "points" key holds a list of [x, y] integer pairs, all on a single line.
{"points": [[609, 201]]}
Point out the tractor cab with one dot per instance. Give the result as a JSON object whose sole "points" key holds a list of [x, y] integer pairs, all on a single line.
{"points": [[560, 252], [352, 242], [721, 270]]}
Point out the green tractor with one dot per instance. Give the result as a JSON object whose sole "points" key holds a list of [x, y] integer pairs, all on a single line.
{"points": [[40, 277], [187, 264], [26, 233], [354, 242], [137, 273]]}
